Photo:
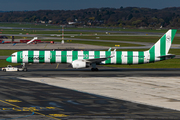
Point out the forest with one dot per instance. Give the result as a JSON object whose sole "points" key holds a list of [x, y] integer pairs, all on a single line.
{"points": [[116, 17]]}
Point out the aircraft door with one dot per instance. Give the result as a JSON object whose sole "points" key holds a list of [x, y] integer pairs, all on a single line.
{"points": [[21, 55], [50, 55], [147, 57], [124, 59]]}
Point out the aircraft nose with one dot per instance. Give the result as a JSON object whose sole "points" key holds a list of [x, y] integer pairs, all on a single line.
{"points": [[8, 59]]}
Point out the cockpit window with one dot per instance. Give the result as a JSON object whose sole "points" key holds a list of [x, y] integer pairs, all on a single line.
{"points": [[13, 55]]}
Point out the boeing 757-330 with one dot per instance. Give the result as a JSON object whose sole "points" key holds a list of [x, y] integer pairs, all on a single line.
{"points": [[81, 59]]}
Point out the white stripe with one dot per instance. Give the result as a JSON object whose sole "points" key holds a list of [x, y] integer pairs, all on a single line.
{"points": [[113, 59], [147, 57], [14, 59], [168, 40], [124, 57], [36, 55], [135, 57], [69, 56], [91, 54], [47, 56], [25, 56], [58, 56], [157, 51], [80, 55], [102, 55]]}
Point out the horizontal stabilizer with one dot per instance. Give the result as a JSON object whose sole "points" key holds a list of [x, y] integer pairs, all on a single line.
{"points": [[170, 56]]}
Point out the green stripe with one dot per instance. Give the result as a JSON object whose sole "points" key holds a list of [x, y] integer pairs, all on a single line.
{"points": [[140, 57], [10, 59], [41, 56], [30, 56], [52, 56], [163, 47], [118, 57], [64, 56], [108, 53], [173, 32], [130, 57], [152, 54], [86, 54], [74, 55], [19, 57], [96, 54]]}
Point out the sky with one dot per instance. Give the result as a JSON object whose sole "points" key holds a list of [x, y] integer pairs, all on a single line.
{"points": [[33, 5]]}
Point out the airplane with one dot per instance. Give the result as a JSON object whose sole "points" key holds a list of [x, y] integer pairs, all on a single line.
{"points": [[82, 59]]}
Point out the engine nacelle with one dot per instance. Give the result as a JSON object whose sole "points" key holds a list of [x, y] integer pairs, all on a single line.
{"points": [[79, 64]]}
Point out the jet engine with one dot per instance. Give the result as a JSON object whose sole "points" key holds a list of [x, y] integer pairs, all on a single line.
{"points": [[79, 64]]}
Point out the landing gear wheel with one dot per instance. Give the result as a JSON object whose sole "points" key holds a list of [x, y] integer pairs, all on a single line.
{"points": [[25, 69], [94, 69], [4, 70]]}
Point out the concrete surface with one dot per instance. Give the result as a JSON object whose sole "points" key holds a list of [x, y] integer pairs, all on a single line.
{"points": [[22, 99], [155, 91]]}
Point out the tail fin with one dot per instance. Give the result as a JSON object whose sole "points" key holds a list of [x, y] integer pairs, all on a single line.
{"points": [[162, 46]]}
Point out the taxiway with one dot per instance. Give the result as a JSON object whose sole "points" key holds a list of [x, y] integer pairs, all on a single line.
{"points": [[49, 93]]}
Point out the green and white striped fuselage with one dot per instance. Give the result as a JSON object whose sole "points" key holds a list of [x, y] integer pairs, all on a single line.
{"points": [[80, 59], [118, 57]]}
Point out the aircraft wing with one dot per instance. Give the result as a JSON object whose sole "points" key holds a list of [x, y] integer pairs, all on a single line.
{"points": [[96, 60]]}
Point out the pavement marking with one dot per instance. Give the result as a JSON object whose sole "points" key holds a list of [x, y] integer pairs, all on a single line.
{"points": [[45, 46], [31, 110], [57, 66], [47, 115], [58, 115], [13, 101], [9, 104]]}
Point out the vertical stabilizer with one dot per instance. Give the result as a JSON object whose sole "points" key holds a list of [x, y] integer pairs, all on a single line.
{"points": [[163, 45]]}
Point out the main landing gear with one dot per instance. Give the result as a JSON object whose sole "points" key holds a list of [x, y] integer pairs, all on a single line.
{"points": [[94, 67], [24, 67]]}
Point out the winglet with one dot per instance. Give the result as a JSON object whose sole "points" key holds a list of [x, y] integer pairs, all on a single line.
{"points": [[113, 53], [109, 49]]}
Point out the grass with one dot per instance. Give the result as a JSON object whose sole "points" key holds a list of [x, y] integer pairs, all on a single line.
{"points": [[16, 31], [149, 39], [109, 44], [50, 26], [7, 52], [4, 63]]}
